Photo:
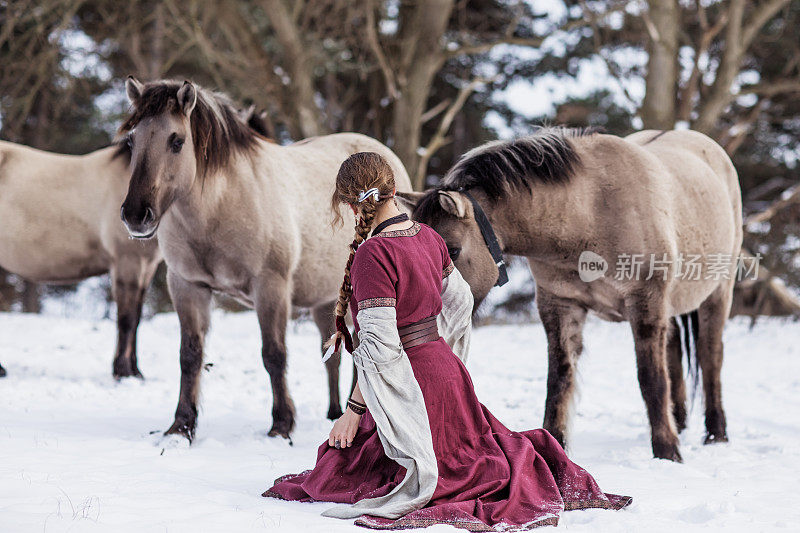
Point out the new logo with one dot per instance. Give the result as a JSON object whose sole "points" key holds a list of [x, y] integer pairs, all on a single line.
{"points": [[591, 266]]}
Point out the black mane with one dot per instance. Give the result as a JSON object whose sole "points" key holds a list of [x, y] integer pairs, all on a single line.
{"points": [[499, 167], [217, 129]]}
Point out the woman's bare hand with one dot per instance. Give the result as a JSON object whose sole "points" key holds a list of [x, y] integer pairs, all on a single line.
{"points": [[344, 430]]}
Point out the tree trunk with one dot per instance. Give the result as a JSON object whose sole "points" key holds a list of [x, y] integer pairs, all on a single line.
{"points": [[156, 59], [298, 64], [720, 95], [420, 53], [661, 81]]}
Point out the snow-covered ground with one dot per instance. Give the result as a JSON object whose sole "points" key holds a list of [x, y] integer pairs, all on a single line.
{"points": [[80, 452]]}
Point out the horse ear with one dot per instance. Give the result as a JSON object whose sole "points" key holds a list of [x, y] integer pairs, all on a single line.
{"points": [[409, 200], [453, 203], [187, 97], [246, 114], [134, 89]]}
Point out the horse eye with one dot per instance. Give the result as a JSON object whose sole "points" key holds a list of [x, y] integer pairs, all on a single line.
{"points": [[129, 141], [453, 253], [177, 144]]}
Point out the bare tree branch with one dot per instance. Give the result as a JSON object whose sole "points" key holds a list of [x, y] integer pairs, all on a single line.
{"points": [[298, 65], [733, 138], [788, 199], [435, 110], [687, 94], [375, 46], [438, 140], [773, 88], [759, 18]]}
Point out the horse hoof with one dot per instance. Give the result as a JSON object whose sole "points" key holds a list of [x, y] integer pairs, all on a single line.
{"points": [[334, 413], [714, 439], [183, 429], [281, 429], [669, 452], [279, 433], [127, 373], [2, 372]]}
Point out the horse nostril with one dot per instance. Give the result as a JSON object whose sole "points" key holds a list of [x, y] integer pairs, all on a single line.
{"points": [[149, 216], [122, 214]]}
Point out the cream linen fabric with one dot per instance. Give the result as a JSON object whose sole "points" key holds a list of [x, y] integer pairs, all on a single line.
{"points": [[455, 320]]}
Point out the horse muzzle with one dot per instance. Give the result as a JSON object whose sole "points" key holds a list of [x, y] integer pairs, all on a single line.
{"points": [[143, 226]]}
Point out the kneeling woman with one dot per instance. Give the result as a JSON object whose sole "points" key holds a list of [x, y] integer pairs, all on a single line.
{"points": [[415, 446]]}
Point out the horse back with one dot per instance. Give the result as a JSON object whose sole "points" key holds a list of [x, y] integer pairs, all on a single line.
{"points": [[322, 250], [674, 193], [342, 145], [672, 146]]}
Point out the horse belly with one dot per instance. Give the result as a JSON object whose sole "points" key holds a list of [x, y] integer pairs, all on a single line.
{"points": [[42, 243], [54, 264]]}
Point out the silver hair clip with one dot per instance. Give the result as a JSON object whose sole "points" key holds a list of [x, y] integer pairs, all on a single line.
{"points": [[363, 195]]}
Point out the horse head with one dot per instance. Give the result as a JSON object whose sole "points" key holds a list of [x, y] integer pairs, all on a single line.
{"points": [[452, 215]]}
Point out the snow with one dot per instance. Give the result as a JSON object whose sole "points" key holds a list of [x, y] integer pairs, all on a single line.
{"points": [[80, 452]]}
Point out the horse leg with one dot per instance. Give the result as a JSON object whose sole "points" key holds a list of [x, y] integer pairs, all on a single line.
{"points": [[272, 307], [130, 276], [677, 384], [563, 323], [650, 338], [193, 304], [712, 315], [324, 317], [2, 372]]}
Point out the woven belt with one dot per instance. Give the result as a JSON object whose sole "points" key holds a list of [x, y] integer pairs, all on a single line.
{"points": [[419, 332]]}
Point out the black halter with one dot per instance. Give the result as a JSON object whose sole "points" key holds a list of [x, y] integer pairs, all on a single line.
{"points": [[489, 238]]}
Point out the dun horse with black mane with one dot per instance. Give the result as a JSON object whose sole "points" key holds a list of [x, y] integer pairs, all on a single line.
{"points": [[238, 214], [656, 197]]}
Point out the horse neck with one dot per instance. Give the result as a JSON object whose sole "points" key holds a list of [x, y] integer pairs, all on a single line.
{"points": [[531, 223], [213, 193]]}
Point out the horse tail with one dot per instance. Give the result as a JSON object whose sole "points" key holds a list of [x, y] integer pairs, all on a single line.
{"points": [[690, 326]]}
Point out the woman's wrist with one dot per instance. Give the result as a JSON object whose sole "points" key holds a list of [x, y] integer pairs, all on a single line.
{"points": [[356, 407]]}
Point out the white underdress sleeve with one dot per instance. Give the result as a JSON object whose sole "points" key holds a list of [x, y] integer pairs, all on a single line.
{"points": [[395, 401], [455, 320]]}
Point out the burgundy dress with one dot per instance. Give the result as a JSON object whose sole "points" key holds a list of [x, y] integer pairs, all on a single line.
{"points": [[488, 475]]}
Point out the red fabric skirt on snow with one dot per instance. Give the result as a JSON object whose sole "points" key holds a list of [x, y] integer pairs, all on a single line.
{"points": [[488, 475]]}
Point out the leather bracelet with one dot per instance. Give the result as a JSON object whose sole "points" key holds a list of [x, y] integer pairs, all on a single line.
{"points": [[357, 408]]}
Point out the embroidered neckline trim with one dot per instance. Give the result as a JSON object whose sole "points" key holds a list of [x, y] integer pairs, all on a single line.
{"points": [[408, 232]]}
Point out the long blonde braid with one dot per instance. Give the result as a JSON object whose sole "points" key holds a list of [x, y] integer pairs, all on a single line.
{"points": [[359, 173]]}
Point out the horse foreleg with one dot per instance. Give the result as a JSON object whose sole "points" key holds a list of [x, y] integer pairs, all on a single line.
{"points": [[272, 308], [712, 315], [192, 303], [130, 276], [563, 322], [324, 317], [677, 384], [650, 339]]}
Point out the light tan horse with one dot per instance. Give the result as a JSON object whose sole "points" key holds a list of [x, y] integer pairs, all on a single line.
{"points": [[59, 223], [657, 199], [242, 216]]}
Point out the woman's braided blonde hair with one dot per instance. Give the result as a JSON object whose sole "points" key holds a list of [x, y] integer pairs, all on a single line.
{"points": [[359, 173]]}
